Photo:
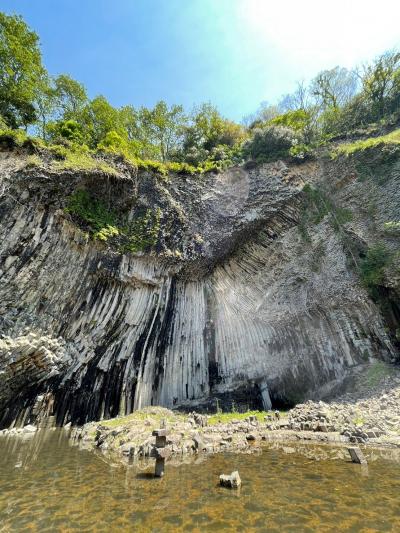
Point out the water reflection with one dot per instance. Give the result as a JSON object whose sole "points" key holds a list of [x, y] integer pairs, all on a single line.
{"points": [[48, 485]]}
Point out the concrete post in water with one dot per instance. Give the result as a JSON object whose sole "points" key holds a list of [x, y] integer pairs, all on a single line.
{"points": [[357, 456], [160, 452]]}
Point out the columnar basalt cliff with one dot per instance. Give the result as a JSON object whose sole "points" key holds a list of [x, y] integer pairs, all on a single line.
{"points": [[235, 297]]}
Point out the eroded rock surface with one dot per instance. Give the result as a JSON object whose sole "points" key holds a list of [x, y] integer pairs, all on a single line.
{"points": [[232, 297]]}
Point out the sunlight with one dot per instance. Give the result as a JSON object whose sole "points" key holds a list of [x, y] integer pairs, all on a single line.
{"points": [[307, 33]]}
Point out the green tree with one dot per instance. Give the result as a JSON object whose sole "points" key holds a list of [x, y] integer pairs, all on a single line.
{"points": [[65, 129], [130, 120], [70, 96], [208, 133], [381, 81], [162, 127], [99, 117], [45, 104], [140, 139], [20, 71]]}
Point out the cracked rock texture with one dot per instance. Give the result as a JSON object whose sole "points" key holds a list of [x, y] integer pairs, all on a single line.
{"points": [[231, 303]]}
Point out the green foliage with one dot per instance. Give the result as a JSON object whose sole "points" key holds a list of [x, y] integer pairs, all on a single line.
{"points": [[300, 151], [78, 157], [375, 373], [334, 88], [14, 137], [93, 212], [270, 143], [163, 126], [297, 120], [98, 118], [20, 71], [19, 138], [33, 161], [165, 139], [381, 83], [341, 216], [65, 129], [70, 97], [113, 142], [106, 233], [142, 232], [372, 267], [375, 158], [318, 205], [104, 224], [209, 137]]}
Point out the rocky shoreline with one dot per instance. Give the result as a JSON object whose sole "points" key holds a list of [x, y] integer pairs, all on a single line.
{"points": [[368, 415]]}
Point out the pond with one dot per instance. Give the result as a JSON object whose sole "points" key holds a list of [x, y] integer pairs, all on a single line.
{"points": [[48, 485]]}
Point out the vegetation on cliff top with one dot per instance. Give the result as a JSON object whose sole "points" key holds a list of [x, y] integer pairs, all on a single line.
{"points": [[392, 138], [166, 138]]}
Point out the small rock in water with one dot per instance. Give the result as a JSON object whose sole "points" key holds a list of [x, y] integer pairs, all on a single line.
{"points": [[233, 481]]}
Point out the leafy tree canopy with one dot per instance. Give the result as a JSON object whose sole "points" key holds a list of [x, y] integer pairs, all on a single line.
{"points": [[20, 71]]}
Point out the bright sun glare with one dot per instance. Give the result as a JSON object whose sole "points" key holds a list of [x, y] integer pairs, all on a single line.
{"points": [[320, 33]]}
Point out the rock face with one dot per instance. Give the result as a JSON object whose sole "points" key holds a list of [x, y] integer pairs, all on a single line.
{"points": [[231, 298]]}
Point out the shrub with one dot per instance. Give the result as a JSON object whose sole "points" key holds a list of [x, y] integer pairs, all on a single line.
{"points": [[93, 212], [65, 129], [298, 120], [271, 143], [372, 267], [113, 142]]}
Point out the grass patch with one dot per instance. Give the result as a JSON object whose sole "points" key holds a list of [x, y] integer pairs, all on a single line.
{"points": [[347, 149], [76, 158], [73, 156], [225, 418], [33, 161], [141, 416], [377, 371], [374, 158]]}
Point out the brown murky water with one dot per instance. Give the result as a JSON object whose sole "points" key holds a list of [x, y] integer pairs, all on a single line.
{"points": [[48, 485]]}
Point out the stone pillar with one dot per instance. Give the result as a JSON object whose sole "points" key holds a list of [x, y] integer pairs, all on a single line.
{"points": [[357, 456], [266, 399], [160, 452]]}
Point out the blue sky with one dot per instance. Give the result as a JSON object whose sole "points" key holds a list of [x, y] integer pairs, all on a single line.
{"points": [[234, 53]]}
